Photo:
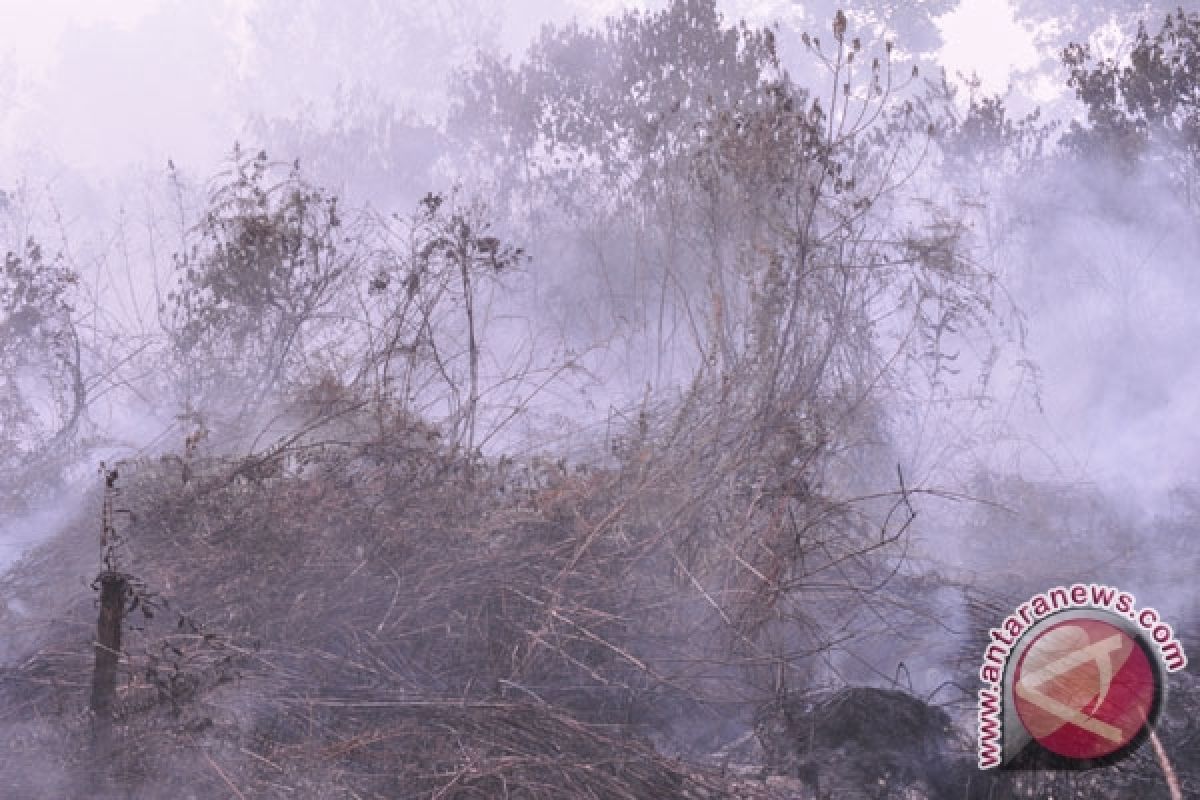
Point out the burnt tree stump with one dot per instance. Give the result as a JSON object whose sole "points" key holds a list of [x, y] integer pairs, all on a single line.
{"points": [[113, 588]]}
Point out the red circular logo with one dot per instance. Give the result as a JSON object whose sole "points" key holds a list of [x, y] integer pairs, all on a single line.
{"points": [[1084, 688]]}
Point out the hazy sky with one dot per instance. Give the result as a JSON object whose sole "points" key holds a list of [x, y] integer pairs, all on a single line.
{"points": [[94, 84]]}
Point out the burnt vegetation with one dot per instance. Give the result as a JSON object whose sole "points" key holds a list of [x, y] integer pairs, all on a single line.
{"points": [[345, 572]]}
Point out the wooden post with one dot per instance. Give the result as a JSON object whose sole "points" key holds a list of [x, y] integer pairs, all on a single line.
{"points": [[113, 586]]}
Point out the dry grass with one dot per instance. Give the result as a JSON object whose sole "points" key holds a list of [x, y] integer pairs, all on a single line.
{"points": [[356, 622]]}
